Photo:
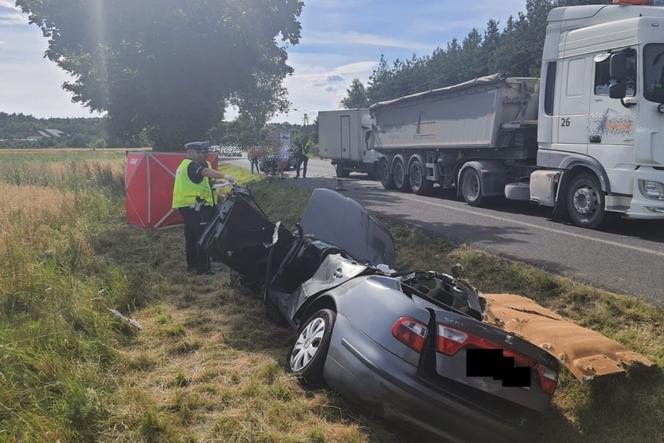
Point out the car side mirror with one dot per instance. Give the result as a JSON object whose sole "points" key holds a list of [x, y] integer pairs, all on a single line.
{"points": [[618, 67], [618, 90]]}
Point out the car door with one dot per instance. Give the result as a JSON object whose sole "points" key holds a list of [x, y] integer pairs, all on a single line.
{"points": [[573, 106], [611, 123]]}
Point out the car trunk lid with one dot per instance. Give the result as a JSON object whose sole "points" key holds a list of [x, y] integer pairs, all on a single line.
{"points": [[509, 367]]}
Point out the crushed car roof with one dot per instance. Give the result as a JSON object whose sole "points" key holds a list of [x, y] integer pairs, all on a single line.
{"points": [[586, 353]]}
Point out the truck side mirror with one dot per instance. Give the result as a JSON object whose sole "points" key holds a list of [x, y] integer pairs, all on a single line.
{"points": [[618, 67], [618, 90]]}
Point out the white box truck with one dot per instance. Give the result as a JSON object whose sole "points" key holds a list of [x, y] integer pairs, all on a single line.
{"points": [[586, 140], [343, 137]]}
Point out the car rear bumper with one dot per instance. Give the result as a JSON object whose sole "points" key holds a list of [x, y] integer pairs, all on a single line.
{"points": [[359, 367]]}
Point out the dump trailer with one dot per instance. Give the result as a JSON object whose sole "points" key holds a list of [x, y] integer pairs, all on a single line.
{"points": [[343, 137], [585, 140], [432, 137]]}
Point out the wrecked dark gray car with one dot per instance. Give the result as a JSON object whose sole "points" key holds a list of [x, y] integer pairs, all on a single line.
{"points": [[423, 347]]}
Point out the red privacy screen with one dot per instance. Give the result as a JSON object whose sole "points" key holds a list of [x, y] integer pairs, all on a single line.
{"points": [[149, 179]]}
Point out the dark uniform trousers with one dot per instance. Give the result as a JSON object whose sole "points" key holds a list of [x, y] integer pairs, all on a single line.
{"points": [[194, 226], [302, 160]]}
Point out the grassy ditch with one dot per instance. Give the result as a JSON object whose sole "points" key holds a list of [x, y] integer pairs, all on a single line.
{"points": [[208, 365], [622, 409]]}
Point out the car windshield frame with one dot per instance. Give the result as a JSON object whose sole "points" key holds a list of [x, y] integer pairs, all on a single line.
{"points": [[653, 72]]}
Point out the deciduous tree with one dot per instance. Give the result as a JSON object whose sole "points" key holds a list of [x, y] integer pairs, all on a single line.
{"points": [[166, 67]]}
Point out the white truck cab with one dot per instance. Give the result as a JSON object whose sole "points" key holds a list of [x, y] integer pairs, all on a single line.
{"points": [[601, 112]]}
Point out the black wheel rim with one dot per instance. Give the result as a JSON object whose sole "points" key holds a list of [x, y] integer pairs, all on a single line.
{"points": [[383, 171], [399, 174], [416, 175]]}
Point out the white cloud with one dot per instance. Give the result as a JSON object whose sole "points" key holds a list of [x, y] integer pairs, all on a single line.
{"points": [[353, 38], [10, 14], [314, 88]]}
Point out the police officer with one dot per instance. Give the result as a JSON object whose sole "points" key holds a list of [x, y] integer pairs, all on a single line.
{"points": [[194, 197]]}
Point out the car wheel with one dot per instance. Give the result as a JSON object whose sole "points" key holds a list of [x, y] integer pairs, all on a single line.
{"points": [[471, 187], [418, 178], [400, 176], [385, 174], [306, 357], [585, 201]]}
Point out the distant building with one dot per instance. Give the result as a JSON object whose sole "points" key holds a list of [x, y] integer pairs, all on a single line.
{"points": [[54, 133], [45, 133]]}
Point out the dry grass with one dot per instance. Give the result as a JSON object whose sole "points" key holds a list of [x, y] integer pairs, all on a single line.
{"points": [[210, 366]]}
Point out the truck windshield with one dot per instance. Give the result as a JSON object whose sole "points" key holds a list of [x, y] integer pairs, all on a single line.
{"points": [[653, 59]]}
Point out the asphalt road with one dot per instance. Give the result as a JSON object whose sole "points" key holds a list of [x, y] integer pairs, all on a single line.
{"points": [[627, 257]]}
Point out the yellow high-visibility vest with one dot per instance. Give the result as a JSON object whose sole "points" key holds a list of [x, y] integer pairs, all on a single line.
{"points": [[186, 192]]}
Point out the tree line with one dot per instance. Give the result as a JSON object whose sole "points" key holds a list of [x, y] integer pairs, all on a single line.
{"points": [[23, 131], [516, 50]]}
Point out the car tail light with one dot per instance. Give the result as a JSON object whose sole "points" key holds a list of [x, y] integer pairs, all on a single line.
{"points": [[410, 332], [451, 341], [548, 379]]}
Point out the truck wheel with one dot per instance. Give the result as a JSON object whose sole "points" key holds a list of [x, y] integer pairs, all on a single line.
{"points": [[585, 201], [341, 172], [385, 174], [418, 178], [471, 187], [399, 174]]}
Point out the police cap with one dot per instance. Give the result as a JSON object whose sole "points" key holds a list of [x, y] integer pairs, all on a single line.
{"points": [[198, 146]]}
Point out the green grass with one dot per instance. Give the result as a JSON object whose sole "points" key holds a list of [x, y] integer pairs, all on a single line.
{"points": [[57, 342], [208, 365]]}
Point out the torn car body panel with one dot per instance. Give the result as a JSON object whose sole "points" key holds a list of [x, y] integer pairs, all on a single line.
{"points": [[586, 353]]}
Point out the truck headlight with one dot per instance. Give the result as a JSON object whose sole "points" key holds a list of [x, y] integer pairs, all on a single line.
{"points": [[652, 189]]}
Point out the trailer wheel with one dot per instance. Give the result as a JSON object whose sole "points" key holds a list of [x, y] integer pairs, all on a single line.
{"points": [[585, 201], [471, 187], [385, 174], [399, 174], [418, 178], [341, 172]]}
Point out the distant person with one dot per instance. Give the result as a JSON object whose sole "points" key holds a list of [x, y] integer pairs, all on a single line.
{"points": [[195, 199], [282, 160], [302, 157], [253, 155]]}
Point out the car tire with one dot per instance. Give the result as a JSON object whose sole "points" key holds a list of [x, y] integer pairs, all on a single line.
{"points": [[417, 178], [471, 187], [400, 175], [585, 201], [306, 357], [385, 174]]}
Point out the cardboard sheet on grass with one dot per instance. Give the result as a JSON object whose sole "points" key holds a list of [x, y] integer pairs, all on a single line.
{"points": [[149, 180], [587, 354]]}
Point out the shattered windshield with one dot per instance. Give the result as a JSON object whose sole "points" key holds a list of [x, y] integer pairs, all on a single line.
{"points": [[653, 59]]}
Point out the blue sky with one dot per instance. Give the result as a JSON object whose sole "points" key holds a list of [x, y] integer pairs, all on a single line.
{"points": [[341, 40]]}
